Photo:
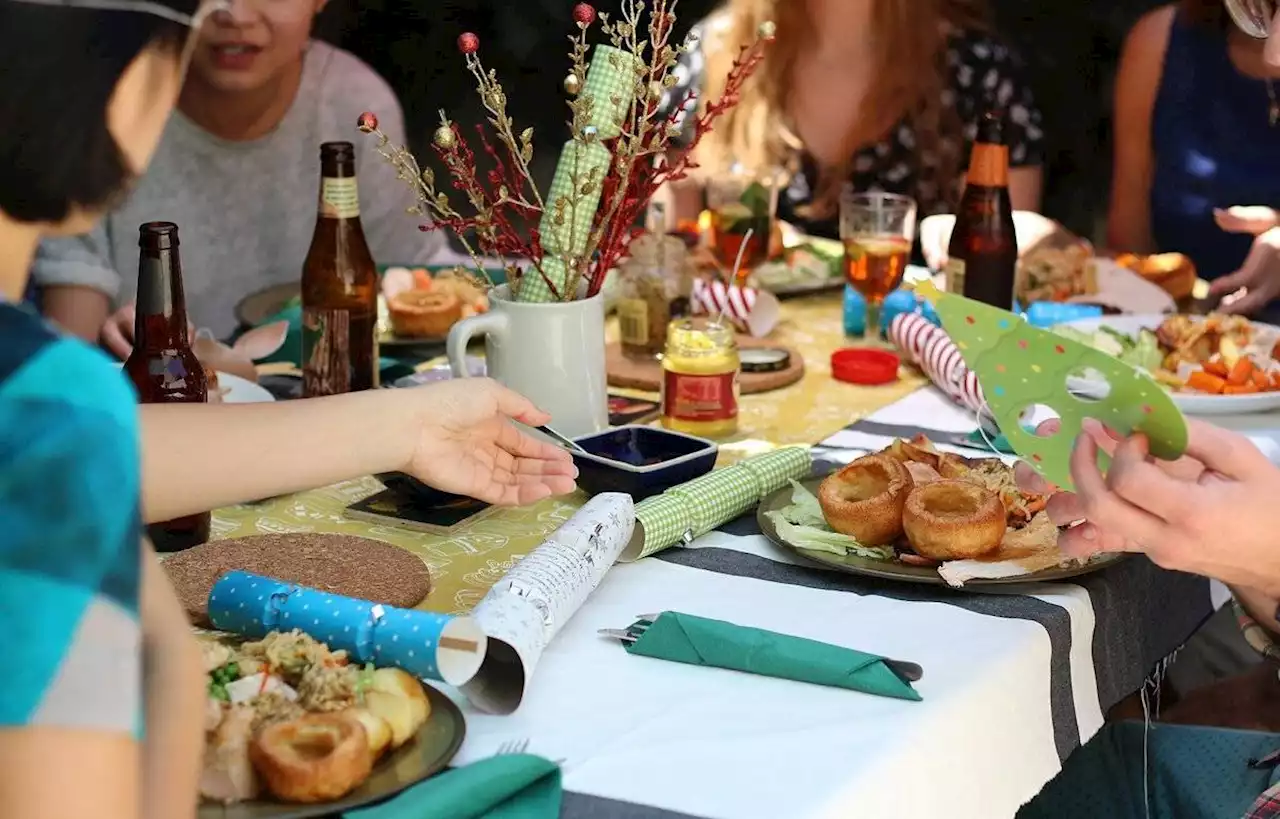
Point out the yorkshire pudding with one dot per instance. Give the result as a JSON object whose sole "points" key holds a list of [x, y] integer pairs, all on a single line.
{"points": [[953, 520], [424, 313], [316, 758], [864, 499]]}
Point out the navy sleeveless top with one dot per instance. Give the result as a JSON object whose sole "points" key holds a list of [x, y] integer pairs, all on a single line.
{"points": [[1214, 147]]}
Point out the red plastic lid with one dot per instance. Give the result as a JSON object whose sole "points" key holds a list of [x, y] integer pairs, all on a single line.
{"points": [[864, 366]]}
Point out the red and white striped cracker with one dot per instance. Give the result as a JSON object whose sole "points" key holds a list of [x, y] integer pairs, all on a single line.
{"points": [[933, 351]]}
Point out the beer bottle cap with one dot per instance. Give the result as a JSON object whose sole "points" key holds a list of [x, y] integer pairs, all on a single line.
{"points": [[863, 365], [991, 127]]}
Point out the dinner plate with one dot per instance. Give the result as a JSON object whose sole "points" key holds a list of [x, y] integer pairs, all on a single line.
{"points": [[1190, 403], [257, 308], [892, 570], [427, 753], [242, 390]]}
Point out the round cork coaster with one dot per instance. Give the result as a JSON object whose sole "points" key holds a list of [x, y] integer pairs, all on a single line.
{"points": [[647, 375], [343, 564]]}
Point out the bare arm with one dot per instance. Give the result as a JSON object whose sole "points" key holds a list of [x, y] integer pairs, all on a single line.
{"points": [[81, 311], [175, 694], [1137, 81], [38, 764], [1025, 185], [202, 457]]}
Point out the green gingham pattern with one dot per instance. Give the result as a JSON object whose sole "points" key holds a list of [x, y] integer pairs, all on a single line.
{"points": [[577, 159], [702, 504], [611, 85], [661, 519], [532, 286]]}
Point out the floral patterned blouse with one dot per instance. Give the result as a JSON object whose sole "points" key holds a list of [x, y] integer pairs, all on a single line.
{"points": [[983, 72]]}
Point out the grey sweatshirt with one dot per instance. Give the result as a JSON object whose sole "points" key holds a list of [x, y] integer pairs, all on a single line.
{"points": [[246, 210]]}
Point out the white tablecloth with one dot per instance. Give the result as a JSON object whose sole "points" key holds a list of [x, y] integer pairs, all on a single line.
{"points": [[1005, 695]]}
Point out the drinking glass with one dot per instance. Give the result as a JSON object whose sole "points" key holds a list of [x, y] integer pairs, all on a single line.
{"points": [[739, 202], [877, 230]]}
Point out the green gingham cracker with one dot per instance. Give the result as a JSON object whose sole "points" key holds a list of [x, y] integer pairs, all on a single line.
{"points": [[532, 286], [611, 85], [577, 159], [661, 521], [718, 497], [697, 507], [773, 469]]}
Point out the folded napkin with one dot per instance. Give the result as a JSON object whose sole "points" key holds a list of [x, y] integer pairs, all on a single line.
{"points": [[507, 786], [684, 638], [692, 509]]}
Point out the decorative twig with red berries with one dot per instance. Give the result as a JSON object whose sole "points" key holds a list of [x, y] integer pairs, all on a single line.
{"points": [[506, 203]]}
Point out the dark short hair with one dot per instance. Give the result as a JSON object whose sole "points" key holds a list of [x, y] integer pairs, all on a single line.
{"points": [[1208, 13], [58, 68]]}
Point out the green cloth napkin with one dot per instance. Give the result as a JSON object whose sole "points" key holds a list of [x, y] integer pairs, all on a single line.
{"points": [[507, 786], [684, 638]]}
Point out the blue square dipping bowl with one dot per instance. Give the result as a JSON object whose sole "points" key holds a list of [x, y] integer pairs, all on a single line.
{"points": [[640, 460]]}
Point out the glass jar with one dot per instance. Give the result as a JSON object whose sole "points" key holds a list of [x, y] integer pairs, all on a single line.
{"points": [[700, 378], [655, 289]]}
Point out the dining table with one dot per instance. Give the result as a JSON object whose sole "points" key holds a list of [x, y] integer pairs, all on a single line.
{"points": [[1016, 677]]}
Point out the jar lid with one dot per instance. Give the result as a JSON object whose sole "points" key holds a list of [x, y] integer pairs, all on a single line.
{"points": [[763, 359], [864, 366]]}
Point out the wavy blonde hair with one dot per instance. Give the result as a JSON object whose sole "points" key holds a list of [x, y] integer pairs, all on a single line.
{"points": [[909, 73]]}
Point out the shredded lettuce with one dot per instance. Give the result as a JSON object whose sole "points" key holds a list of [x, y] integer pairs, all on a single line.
{"points": [[802, 524], [1142, 351]]}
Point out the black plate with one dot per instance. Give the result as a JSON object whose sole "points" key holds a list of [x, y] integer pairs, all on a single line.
{"points": [[427, 753]]}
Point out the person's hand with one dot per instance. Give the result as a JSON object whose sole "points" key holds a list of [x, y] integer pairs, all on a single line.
{"points": [[1211, 512], [468, 445], [1254, 219], [117, 332], [1258, 280]]}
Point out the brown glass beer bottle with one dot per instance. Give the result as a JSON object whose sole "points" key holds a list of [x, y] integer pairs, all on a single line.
{"points": [[982, 259], [162, 366], [339, 286]]}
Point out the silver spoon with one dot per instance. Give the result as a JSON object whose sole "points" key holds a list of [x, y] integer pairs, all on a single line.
{"points": [[567, 443], [1253, 17]]}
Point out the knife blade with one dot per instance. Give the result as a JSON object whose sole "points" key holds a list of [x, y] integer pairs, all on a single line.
{"points": [[909, 431]]}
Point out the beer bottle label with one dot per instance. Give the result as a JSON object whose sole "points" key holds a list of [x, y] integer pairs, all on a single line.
{"points": [[339, 197], [633, 319], [954, 272]]}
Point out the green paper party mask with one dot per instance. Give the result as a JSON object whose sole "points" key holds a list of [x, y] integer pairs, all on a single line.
{"points": [[1020, 367]]}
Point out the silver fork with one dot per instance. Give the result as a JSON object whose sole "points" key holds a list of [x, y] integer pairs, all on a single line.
{"points": [[514, 746]]}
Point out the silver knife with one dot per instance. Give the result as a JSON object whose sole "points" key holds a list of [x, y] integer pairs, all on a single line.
{"points": [[909, 431]]}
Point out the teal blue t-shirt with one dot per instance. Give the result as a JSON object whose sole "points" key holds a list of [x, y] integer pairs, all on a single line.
{"points": [[70, 533]]}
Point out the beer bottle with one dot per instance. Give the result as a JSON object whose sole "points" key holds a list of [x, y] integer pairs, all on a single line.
{"points": [[339, 286], [162, 366], [983, 256]]}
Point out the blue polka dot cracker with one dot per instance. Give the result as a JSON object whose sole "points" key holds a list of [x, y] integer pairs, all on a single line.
{"points": [[427, 645], [1022, 368]]}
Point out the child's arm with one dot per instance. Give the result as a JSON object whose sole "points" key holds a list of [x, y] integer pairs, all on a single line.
{"points": [[173, 685], [456, 435]]}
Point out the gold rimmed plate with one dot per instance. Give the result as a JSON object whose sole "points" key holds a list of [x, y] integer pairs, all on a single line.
{"points": [[430, 750], [892, 569]]}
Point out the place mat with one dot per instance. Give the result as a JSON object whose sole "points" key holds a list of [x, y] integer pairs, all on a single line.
{"points": [[647, 375], [463, 564], [342, 564]]}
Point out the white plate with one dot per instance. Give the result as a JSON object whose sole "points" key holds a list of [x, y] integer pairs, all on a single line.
{"points": [[242, 391], [1189, 402]]}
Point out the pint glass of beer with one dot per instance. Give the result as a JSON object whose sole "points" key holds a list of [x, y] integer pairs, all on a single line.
{"points": [[877, 230]]}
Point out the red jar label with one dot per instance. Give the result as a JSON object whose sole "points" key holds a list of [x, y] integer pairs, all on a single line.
{"points": [[699, 397]]}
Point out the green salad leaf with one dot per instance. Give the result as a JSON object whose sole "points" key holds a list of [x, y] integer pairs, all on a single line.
{"points": [[1141, 351], [802, 524]]}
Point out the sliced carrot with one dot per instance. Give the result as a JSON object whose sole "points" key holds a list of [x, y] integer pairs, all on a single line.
{"points": [[422, 278], [1206, 382], [1241, 373], [1216, 366], [1260, 380], [1240, 389], [1275, 380]]}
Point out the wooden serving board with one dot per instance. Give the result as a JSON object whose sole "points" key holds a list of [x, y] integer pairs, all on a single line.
{"points": [[647, 375]]}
